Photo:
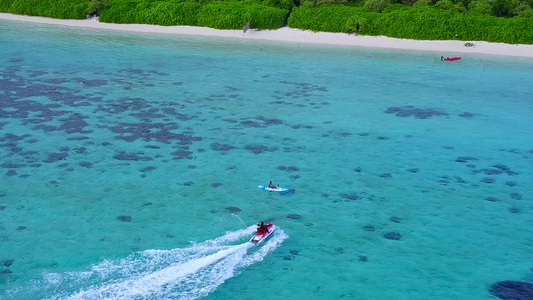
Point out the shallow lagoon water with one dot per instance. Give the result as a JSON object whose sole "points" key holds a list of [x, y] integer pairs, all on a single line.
{"points": [[116, 146]]}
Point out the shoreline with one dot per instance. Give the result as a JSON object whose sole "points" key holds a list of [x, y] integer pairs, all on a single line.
{"points": [[292, 35]]}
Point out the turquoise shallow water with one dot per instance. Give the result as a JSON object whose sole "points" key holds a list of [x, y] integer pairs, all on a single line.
{"points": [[124, 156]]}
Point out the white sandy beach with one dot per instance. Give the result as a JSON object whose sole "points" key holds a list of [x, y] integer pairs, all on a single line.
{"points": [[291, 35]]}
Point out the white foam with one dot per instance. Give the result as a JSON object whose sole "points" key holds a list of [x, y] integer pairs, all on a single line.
{"points": [[185, 273]]}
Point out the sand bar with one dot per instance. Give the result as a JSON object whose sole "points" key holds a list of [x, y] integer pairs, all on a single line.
{"points": [[291, 35]]}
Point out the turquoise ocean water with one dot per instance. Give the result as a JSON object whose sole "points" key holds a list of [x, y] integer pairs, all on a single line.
{"points": [[128, 159]]}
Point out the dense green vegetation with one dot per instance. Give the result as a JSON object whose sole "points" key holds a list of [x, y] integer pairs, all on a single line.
{"points": [[61, 9], [221, 15], [419, 22], [508, 21]]}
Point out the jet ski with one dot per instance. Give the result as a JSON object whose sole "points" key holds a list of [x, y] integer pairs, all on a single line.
{"points": [[261, 235]]}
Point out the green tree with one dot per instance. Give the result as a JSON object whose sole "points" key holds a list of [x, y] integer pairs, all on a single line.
{"points": [[375, 5], [504, 8], [480, 7]]}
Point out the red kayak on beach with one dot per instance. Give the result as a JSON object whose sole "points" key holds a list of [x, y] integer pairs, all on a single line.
{"points": [[452, 58]]}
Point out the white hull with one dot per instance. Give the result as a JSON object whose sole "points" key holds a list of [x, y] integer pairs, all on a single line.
{"points": [[258, 239], [277, 189]]}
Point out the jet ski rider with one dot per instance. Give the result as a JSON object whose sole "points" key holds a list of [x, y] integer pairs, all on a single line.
{"points": [[262, 228]]}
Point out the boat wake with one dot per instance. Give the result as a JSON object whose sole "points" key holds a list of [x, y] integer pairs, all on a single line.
{"points": [[187, 273]]}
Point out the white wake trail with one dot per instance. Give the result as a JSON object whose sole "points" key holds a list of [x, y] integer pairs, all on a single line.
{"points": [[154, 282], [183, 273]]}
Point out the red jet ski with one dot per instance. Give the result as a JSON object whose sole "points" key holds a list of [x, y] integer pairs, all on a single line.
{"points": [[262, 233], [452, 58]]}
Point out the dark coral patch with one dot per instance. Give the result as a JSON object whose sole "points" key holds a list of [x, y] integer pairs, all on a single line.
{"points": [[160, 132], [148, 169], [80, 150], [459, 179], [282, 168], [182, 154], [11, 173], [294, 216], [292, 169], [5, 272], [393, 236], [443, 181], [466, 115], [256, 148], [357, 169], [233, 209], [7, 165], [419, 113], [516, 196], [488, 180], [152, 147], [512, 290], [75, 123], [124, 218], [491, 171], [510, 183], [250, 123], [413, 170], [130, 156], [267, 121], [368, 228], [349, 196], [514, 210], [492, 199], [505, 169], [20, 228], [395, 219], [54, 157], [188, 183], [190, 167], [8, 262], [362, 258], [86, 164], [221, 147], [216, 184], [91, 82], [294, 252], [2, 207], [78, 138], [463, 159], [385, 175]]}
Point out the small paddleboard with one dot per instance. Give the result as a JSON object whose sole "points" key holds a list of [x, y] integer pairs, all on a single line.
{"points": [[277, 189]]}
